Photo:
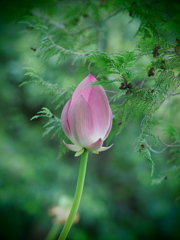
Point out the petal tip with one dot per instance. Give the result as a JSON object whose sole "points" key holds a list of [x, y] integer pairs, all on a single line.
{"points": [[74, 148], [104, 148], [92, 78], [96, 145]]}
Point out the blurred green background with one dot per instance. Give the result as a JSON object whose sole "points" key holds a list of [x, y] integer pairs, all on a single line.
{"points": [[119, 200]]}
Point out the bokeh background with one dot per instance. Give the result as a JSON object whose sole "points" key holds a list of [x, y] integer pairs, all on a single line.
{"points": [[120, 200]]}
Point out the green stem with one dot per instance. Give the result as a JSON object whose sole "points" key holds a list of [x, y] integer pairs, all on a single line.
{"points": [[52, 232], [77, 196]]}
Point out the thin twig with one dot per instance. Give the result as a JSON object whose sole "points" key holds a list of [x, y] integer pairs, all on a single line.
{"points": [[62, 27], [170, 146], [98, 23], [174, 94], [143, 54], [161, 100], [153, 6], [110, 100], [176, 77], [142, 98], [63, 49], [86, 53], [152, 150], [142, 82], [166, 146], [89, 67], [112, 91]]}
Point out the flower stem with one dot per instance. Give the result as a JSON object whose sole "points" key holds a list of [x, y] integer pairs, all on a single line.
{"points": [[52, 232], [77, 196]]}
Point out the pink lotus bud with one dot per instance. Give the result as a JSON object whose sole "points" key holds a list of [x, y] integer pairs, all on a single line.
{"points": [[87, 118]]}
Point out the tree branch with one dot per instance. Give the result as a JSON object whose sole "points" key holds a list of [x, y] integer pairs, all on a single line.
{"points": [[174, 94], [158, 152], [169, 94], [141, 98], [166, 146], [62, 27]]}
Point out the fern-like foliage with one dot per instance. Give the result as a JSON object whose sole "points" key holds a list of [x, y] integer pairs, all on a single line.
{"points": [[57, 93], [53, 127], [136, 88]]}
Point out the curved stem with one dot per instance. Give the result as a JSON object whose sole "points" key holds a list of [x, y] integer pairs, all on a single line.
{"points": [[52, 232], [77, 196]]}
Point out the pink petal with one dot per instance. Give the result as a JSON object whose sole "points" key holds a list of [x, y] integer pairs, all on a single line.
{"points": [[104, 148], [80, 122], [109, 129], [65, 122], [101, 112], [74, 148], [97, 145], [82, 88], [64, 119]]}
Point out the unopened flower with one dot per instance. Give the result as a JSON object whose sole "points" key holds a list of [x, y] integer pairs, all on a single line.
{"points": [[87, 118]]}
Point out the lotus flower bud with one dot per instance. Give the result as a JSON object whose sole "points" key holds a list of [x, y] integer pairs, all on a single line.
{"points": [[87, 118]]}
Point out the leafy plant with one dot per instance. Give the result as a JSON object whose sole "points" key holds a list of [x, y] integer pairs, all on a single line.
{"points": [[136, 89]]}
